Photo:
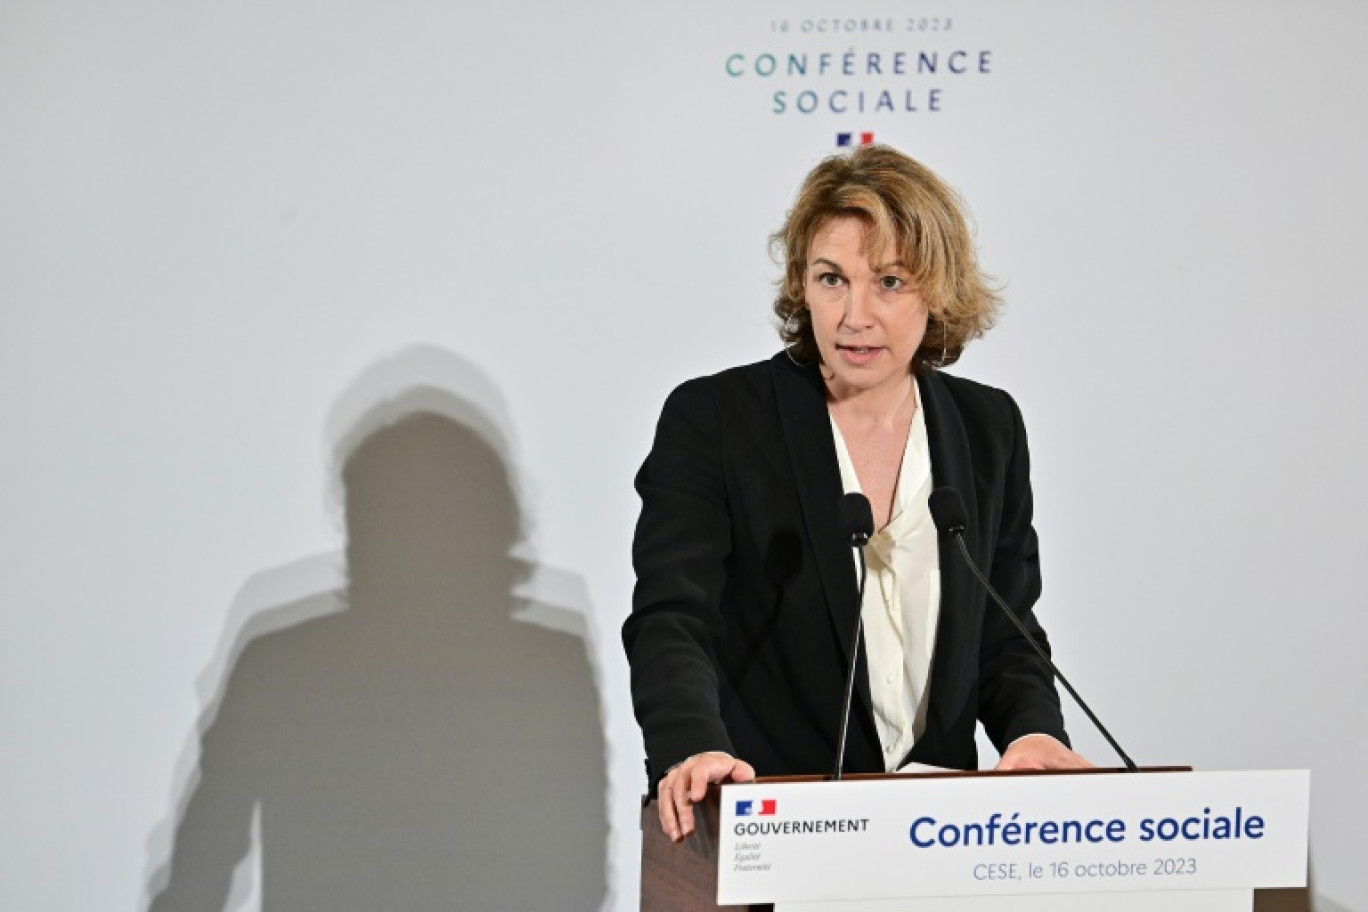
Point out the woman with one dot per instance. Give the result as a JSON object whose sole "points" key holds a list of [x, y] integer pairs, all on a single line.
{"points": [[746, 600]]}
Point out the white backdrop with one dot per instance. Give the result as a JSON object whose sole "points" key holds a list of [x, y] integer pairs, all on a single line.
{"points": [[230, 230]]}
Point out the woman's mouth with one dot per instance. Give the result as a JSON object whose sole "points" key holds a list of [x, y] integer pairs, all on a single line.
{"points": [[858, 354]]}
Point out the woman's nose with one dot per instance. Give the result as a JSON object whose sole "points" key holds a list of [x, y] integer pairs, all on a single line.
{"points": [[857, 308]]}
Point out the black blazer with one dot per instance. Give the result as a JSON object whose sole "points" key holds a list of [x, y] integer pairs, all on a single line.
{"points": [[745, 600]]}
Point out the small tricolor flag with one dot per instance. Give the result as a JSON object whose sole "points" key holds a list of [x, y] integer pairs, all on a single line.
{"points": [[749, 809], [846, 140]]}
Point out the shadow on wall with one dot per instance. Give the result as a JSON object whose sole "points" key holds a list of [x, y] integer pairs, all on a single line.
{"points": [[416, 747]]}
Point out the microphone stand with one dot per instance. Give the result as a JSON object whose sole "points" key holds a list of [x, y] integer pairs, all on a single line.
{"points": [[958, 536], [857, 540]]}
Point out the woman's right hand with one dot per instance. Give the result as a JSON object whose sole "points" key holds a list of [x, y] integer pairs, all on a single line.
{"points": [[687, 783]]}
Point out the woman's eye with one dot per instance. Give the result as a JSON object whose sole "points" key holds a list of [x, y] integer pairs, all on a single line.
{"points": [[829, 280], [891, 283]]}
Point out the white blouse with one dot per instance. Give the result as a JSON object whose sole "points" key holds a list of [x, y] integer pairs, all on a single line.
{"points": [[901, 605]]}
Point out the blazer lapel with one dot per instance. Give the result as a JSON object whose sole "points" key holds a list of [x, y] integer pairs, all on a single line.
{"points": [[801, 398], [958, 628]]}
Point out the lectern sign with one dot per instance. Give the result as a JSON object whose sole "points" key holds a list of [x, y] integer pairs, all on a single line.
{"points": [[961, 836]]}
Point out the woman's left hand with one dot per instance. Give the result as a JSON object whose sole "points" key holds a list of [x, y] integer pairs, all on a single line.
{"points": [[1040, 752]]}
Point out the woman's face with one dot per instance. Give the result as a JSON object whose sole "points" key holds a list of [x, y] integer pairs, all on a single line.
{"points": [[866, 315]]}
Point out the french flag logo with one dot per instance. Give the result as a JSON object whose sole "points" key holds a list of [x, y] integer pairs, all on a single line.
{"points": [[762, 808], [847, 140]]}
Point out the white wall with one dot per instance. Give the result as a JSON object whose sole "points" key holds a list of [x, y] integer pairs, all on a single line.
{"points": [[230, 230]]}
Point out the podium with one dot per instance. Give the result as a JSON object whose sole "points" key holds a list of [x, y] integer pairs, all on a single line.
{"points": [[1099, 840]]}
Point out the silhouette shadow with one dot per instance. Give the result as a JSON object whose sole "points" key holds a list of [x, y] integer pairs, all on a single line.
{"points": [[415, 747]]}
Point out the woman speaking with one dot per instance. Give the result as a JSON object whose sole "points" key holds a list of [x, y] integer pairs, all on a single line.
{"points": [[746, 597]]}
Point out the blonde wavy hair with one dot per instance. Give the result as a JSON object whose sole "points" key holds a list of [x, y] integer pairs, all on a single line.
{"points": [[904, 206]]}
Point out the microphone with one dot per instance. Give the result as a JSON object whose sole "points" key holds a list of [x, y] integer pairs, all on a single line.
{"points": [[856, 518], [947, 511], [950, 517]]}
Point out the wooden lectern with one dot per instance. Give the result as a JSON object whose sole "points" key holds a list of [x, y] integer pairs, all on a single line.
{"points": [[682, 877]]}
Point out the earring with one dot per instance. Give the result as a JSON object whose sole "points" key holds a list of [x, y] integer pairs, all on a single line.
{"points": [[788, 330]]}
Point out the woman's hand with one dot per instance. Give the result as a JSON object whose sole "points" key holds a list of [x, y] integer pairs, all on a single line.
{"points": [[1040, 752], [687, 783]]}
